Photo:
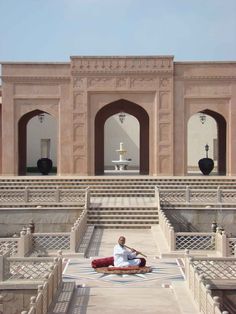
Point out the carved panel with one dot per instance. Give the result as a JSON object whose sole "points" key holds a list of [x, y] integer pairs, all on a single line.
{"points": [[79, 131], [79, 164], [143, 82], [164, 130], [164, 100], [79, 83], [164, 82], [79, 149], [200, 89], [122, 82], [164, 149], [121, 64], [98, 82], [164, 117], [36, 89], [164, 164], [79, 117]]}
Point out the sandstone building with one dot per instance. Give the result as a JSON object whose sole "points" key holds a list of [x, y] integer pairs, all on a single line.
{"points": [[82, 94]]}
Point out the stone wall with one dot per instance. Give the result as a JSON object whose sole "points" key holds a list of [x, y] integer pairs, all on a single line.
{"points": [[46, 220], [15, 301], [186, 220]]}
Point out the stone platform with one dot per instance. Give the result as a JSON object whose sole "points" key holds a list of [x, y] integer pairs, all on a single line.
{"points": [[161, 291]]}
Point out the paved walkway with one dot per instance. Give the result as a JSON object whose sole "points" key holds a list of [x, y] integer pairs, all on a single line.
{"points": [[161, 291], [120, 201]]}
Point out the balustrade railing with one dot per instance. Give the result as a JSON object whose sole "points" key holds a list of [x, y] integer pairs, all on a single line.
{"points": [[45, 270], [193, 240], [199, 287], [197, 196], [57, 195], [44, 242]]}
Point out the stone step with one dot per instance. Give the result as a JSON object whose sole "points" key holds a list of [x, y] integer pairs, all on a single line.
{"points": [[119, 213], [84, 244], [123, 217], [120, 222], [124, 226], [61, 303]]}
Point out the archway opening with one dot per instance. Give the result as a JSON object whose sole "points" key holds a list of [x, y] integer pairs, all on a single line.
{"points": [[115, 108], [121, 128], [206, 128], [37, 134]]}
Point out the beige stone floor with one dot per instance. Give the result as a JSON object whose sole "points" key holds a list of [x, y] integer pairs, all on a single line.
{"points": [[161, 291]]}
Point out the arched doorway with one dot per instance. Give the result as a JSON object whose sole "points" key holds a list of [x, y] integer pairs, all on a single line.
{"points": [[218, 141], [36, 130], [107, 111], [121, 128]]}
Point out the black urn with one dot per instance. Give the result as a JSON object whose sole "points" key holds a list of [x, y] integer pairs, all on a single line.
{"points": [[44, 165], [206, 165]]}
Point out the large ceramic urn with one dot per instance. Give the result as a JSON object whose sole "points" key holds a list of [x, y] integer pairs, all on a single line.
{"points": [[206, 165], [44, 165]]}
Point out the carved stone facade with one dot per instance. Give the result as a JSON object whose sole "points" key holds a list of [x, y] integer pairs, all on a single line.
{"points": [[75, 93]]}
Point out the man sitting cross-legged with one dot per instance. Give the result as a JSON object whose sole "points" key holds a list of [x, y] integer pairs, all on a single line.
{"points": [[124, 257]]}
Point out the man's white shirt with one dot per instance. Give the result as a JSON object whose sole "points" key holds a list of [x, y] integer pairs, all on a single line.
{"points": [[123, 257]]}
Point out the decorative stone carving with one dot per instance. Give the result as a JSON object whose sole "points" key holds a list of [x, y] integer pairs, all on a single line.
{"points": [[164, 82], [37, 90], [121, 64], [79, 82], [79, 149], [143, 82], [79, 117], [164, 132], [122, 82], [97, 82], [199, 89], [164, 100], [79, 163], [164, 164]]}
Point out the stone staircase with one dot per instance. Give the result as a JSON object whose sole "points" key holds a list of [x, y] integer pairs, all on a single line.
{"points": [[123, 217], [112, 186]]}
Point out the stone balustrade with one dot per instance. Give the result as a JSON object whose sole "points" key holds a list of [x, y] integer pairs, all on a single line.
{"points": [[31, 195], [46, 271], [197, 196], [177, 241], [200, 288]]}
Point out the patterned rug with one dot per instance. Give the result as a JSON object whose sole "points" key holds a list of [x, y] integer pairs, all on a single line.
{"points": [[163, 272]]}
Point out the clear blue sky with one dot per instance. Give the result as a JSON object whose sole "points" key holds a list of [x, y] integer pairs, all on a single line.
{"points": [[54, 30]]}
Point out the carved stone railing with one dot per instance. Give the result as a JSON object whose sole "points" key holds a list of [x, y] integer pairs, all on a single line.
{"points": [[183, 240], [56, 195], [45, 242], [197, 196], [194, 241], [47, 271], [198, 284], [40, 303], [218, 241], [17, 246]]}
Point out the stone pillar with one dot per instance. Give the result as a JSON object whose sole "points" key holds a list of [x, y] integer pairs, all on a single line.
{"points": [[65, 143], [231, 151], [9, 131]]}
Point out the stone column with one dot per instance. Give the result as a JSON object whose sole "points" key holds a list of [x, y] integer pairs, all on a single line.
{"points": [[65, 143], [9, 132], [231, 169]]}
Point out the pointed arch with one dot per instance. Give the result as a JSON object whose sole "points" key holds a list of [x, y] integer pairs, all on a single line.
{"points": [[221, 130], [22, 139], [107, 111]]}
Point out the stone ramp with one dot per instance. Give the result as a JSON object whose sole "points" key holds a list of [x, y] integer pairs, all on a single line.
{"points": [[161, 291]]}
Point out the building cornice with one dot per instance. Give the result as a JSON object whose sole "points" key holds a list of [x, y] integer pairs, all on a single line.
{"points": [[208, 77], [28, 79], [121, 65]]}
